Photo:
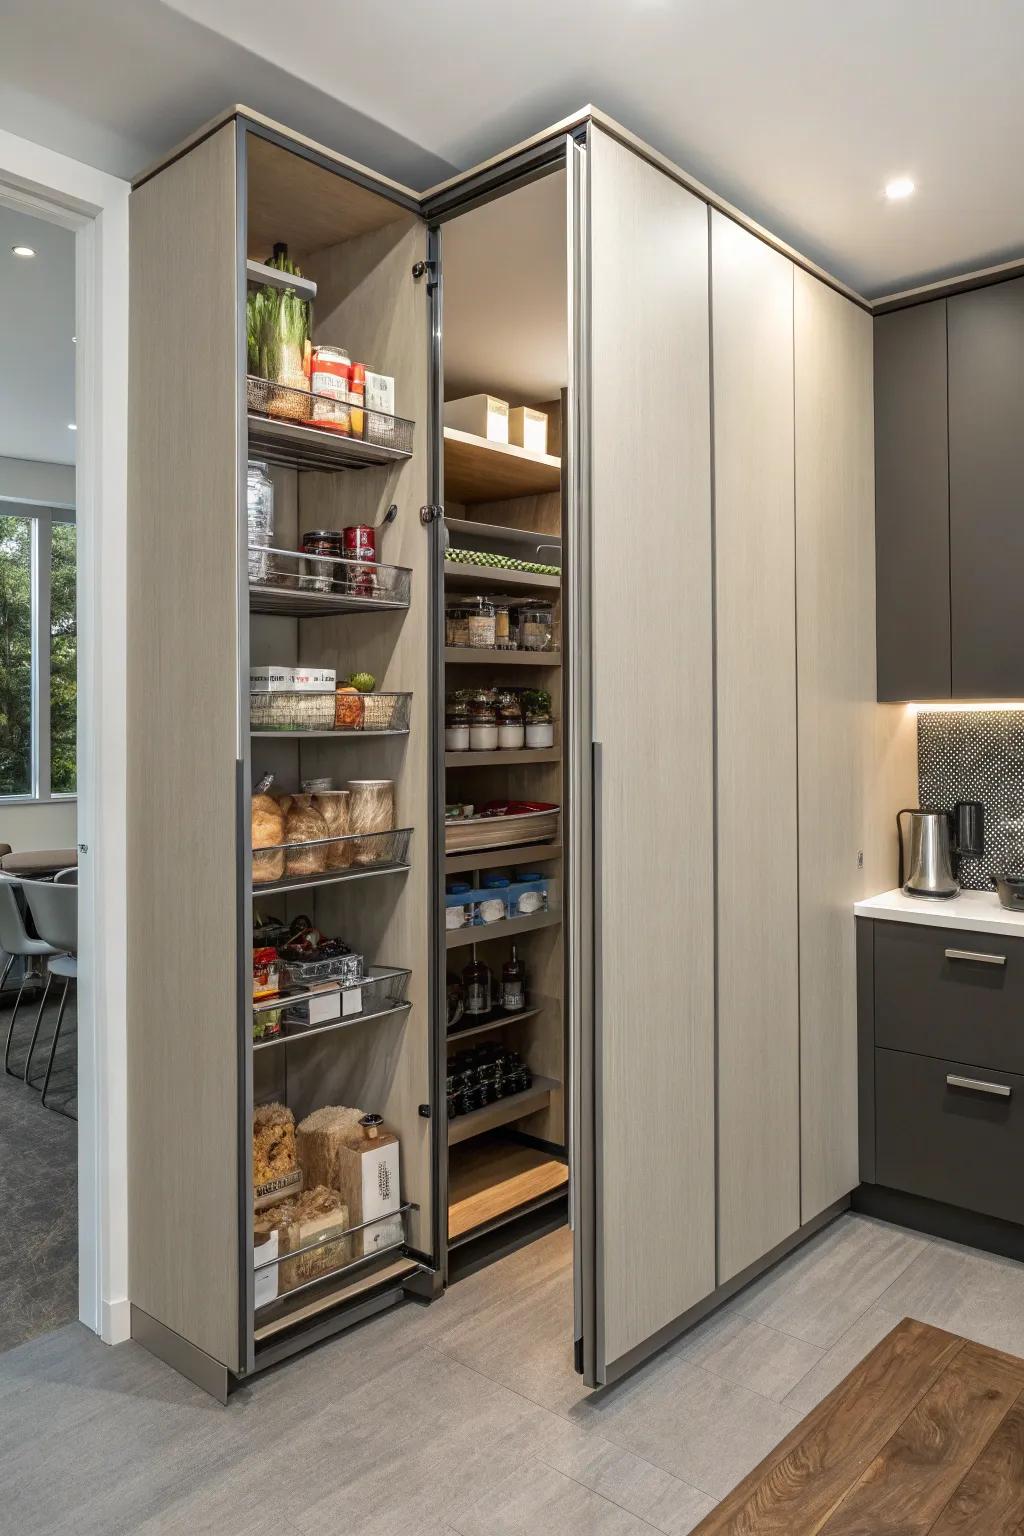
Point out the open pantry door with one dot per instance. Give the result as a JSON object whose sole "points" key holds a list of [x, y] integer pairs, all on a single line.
{"points": [[642, 944]]}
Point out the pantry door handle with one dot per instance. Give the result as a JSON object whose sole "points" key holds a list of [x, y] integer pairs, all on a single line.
{"points": [[971, 954], [996, 1090]]}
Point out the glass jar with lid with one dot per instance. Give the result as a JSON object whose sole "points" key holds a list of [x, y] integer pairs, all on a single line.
{"points": [[456, 722], [511, 731], [321, 545], [504, 639], [259, 501], [536, 625], [456, 622], [481, 622], [483, 720], [540, 729]]}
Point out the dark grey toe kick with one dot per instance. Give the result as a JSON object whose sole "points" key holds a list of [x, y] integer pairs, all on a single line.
{"points": [[936, 1219]]}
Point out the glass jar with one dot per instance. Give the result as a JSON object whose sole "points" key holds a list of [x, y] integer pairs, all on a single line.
{"points": [[540, 731], [481, 623], [511, 731], [503, 640], [326, 544], [536, 626], [259, 500], [456, 723], [456, 623], [483, 720]]}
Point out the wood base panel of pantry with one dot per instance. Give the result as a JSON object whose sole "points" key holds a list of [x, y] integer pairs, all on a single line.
{"points": [[491, 1179]]}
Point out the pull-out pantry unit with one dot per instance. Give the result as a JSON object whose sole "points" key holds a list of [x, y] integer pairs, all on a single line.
{"points": [[499, 872]]}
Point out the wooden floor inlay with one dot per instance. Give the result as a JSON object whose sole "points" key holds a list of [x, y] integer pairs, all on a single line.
{"points": [[924, 1438]]}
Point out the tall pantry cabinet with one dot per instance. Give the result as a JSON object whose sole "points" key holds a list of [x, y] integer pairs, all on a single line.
{"points": [[720, 794]]}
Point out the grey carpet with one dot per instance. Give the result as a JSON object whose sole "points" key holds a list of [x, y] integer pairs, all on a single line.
{"points": [[38, 1183]]}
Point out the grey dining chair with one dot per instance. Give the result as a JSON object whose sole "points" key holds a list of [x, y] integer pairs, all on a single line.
{"points": [[18, 944], [54, 909]]}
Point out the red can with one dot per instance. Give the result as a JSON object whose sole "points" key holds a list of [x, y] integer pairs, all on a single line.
{"points": [[361, 544]]}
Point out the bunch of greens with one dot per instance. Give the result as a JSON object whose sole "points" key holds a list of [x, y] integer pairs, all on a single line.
{"points": [[277, 320]]}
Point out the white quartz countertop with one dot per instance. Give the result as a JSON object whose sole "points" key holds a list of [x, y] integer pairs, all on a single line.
{"points": [[976, 911]]}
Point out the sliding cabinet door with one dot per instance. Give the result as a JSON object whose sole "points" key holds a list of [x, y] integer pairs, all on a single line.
{"points": [[838, 718], [651, 1253], [758, 982]]}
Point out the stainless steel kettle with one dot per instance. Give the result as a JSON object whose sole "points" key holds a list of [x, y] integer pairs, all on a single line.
{"points": [[929, 869]]}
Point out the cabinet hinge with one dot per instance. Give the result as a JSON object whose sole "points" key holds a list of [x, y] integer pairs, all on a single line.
{"points": [[431, 514], [427, 269]]}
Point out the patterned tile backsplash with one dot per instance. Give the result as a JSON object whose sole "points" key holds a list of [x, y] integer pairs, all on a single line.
{"points": [[977, 755]]}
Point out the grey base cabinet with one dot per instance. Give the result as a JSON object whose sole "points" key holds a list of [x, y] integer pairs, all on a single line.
{"points": [[942, 1067]]}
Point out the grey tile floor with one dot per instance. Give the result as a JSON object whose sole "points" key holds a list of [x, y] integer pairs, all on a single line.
{"points": [[465, 1418]]}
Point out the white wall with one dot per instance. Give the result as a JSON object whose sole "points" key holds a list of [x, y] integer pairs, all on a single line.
{"points": [[53, 825], [39, 483]]}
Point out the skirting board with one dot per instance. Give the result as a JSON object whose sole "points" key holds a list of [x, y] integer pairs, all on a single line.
{"points": [[936, 1219], [621, 1367], [116, 1324], [185, 1358]]}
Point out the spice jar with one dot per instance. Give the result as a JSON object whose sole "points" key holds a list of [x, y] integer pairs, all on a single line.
{"points": [[456, 623], [322, 544], [503, 640], [480, 623], [456, 723], [536, 626], [511, 731], [483, 720], [259, 501]]}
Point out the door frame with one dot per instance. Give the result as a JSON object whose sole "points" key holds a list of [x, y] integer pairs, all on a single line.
{"points": [[95, 206]]}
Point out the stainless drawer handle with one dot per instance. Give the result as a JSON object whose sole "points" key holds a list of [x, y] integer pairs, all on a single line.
{"points": [[972, 954], [997, 1090]]}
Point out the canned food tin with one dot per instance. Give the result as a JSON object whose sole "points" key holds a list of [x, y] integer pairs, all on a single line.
{"points": [[361, 544], [330, 381]]}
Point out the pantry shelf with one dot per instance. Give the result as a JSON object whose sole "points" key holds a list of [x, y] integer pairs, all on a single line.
{"points": [[326, 1029], [272, 277], [304, 446], [484, 578], [290, 604], [496, 1021], [295, 584], [478, 470], [329, 877], [506, 928], [491, 1182], [478, 656], [387, 1270], [462, 530], [537, 1096], [336, 735], [510, 758], [501, 858]]}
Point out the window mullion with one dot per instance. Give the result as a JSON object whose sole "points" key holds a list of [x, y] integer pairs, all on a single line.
{"points": [[41, 566]]}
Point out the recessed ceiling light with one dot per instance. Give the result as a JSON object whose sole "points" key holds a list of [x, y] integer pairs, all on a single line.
{"points": [[22, 250], [72, 426], [899, 187]]}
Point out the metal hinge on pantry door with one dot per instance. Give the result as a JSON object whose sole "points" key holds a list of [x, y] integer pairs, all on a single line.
{"points": [[427, 269]]}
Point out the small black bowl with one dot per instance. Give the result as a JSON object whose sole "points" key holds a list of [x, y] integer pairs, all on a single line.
{"points": [[1011, 891]]}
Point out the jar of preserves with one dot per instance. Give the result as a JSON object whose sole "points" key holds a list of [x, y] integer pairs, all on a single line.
{"points": [[483, 720], [329, 380], [511, 731], [540, 730], [481, 623], [536, 626], [320, 544], [456, 723], [456, 623]]}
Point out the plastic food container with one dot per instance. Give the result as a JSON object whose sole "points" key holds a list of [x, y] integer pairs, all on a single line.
{"points": [[536, 626], [334, 968]]}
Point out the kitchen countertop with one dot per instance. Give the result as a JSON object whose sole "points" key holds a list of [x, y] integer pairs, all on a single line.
{"points": [[975, 911]]}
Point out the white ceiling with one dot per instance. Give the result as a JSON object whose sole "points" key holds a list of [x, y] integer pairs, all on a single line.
{"points": [[37, 354], [798, 111]]}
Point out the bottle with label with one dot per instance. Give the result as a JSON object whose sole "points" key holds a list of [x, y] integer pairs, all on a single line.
{"points": [[477, 989], [513, 984]]}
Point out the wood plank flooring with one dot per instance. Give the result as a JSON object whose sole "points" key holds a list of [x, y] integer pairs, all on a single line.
{"points": [[925, 1435]]}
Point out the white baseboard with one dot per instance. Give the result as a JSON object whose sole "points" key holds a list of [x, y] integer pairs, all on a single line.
{"points": [[117, 1321]]}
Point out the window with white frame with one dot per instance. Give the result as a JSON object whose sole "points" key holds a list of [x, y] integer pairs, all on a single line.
{"points": [[38, 653]]}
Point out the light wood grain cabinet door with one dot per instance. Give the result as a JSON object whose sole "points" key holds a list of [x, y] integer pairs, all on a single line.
{"points": [[651, 588], [755, 605], [837, 715]]}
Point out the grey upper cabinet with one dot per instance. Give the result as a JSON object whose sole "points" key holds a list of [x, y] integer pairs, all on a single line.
{"points": [[912, 504], [986, 489]]}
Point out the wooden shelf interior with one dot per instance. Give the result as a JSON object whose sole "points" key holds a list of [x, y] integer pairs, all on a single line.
{"points": [[478, 470], [516, 1107], [485, 578], [491, 1179], [502, 858], [474, 656], [294, 200], [510, 758]]}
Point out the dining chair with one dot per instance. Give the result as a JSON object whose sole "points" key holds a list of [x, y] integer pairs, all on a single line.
{"points": [[54, 909], [18, 944]]}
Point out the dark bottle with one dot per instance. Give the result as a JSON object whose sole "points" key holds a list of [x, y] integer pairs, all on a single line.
{"points": [[476, 987], [513, 984]]}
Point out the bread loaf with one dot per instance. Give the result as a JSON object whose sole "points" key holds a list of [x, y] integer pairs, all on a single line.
{"points": [[312, 1217], [305, 825], [319, 1141], [273, 1142], [333, 807], [268, 831]]}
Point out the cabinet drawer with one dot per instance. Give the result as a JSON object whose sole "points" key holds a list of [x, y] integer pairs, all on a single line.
{"points": [[946, 992], [949, 1142]]}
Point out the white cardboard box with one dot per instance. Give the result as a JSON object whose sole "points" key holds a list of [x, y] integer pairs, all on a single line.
{"points": [[314, 679], [528, 428], [271, 679], [483, 415]]}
